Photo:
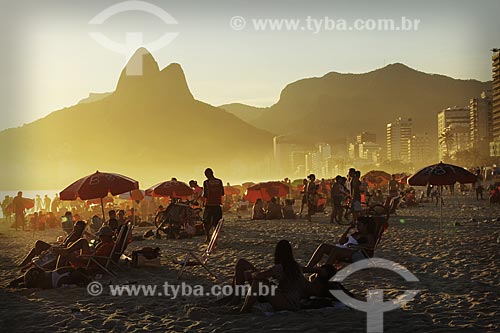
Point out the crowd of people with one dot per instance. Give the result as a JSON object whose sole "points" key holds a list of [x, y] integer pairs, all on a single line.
{"points": [[67, 261]]}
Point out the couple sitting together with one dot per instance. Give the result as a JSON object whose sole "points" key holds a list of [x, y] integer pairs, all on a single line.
{"points": [[293, 287], [66, 261]]}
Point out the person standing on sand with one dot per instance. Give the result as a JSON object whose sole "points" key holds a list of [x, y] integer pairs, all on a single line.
{"points": [[38, 203], [356, 195], [46, 203], [54, 207], [6, 212], [393, 187], [213, 191], [312, 196], [478, 185], [19, 210], [304, 197]]}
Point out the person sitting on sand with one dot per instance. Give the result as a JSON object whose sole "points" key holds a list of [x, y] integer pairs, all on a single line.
{"points": [[41, 246], [242, 205], [291, 281], [288, 212], [377, 198], [113, 221], [363, 237], [121, 217], [274, 210], [410, 198], [258, 212], [292, 285], [38, 278], [81, 247]]}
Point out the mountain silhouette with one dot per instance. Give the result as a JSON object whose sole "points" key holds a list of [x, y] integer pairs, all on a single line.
{"points": [[244, 112], [150, 128], [339, 105]]}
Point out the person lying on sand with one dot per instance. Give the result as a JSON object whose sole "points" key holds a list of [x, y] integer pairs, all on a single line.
{"points": [[41, 246], [364, 236], [38, 278], [81, 247]]}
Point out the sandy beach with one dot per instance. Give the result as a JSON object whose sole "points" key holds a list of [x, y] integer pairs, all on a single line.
{"points": [[458, 269]]}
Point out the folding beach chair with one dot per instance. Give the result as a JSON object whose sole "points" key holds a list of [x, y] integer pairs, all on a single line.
{"points": [[200, 260], [105, 262], [391, 204], [381, 225]]}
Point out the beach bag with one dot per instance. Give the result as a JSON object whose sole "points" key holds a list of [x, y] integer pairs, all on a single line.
{"points": [[46, 260]]}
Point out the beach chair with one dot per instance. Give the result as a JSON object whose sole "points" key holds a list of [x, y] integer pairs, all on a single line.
{"points": [[106, 263], [391, 204], [200, 260], [381, 225]]}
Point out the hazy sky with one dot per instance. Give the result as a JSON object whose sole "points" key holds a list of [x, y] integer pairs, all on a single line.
{"points": [[49, 61]]}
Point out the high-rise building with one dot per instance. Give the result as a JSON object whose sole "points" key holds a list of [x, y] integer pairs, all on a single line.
{"points": [[453, 131], [398, 133], [366, 137], [495, 95], [325, 150], [481, 111], [353, 150], [419, 152], [298, 161], [370, 152]]}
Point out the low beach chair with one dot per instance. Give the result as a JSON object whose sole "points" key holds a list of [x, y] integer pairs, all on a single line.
{"points": [[200, 260], [391, 204], [105, 263], [381, 225]]}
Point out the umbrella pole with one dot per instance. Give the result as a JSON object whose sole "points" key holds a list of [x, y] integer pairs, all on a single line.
{"points": [[133, 208], [441, 209], [103, 216]]}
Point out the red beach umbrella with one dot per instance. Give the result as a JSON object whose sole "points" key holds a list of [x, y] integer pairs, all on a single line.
{"points": [[170, 188], [266, 191], [442, 174], [97, 186], [231, 190], [377, 178], [134, 195]]}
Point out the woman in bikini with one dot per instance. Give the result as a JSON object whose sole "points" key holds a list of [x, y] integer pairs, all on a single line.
{"points": [[351, 247]]}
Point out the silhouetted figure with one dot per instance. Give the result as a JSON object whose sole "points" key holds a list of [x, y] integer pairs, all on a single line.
{"points": [[5, 211], [258, 212], [312, 196], [478, 186], [19, 210], [46, 203], [213, 191], [54, 207], [304, 197], [38, 203]]}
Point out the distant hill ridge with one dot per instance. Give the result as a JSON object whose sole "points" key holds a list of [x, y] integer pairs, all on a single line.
{"points": [[337, 105]]}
